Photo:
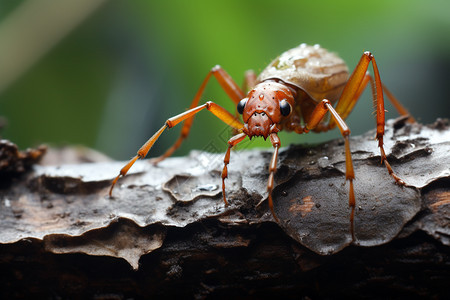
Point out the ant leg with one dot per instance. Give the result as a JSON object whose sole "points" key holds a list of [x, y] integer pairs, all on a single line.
{"points": [[231, 143], [316, 117], [356, 85], [228, 85], [345, 111], [351, 93], [380, 122], [217, 110], [275, 140], [394, 101]]}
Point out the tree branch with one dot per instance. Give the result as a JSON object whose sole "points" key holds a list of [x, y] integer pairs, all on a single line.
{"points": [[170, 224]]}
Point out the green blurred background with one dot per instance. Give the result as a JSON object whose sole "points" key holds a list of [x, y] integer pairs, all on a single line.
{"points": [[111, 78]]}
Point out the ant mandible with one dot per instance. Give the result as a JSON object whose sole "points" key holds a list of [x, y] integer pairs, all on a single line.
{"points": [[293, 93]]}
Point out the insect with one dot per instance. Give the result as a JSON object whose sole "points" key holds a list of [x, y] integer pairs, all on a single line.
{"points": [[294, 93]]}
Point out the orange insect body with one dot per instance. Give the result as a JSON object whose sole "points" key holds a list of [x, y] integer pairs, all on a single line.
{"points": [[294, 93]]}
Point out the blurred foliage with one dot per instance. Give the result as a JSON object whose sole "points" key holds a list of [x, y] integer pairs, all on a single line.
{"points": [[113, 80]]}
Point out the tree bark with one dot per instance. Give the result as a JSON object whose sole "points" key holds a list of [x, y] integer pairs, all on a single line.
{"points": [[166, 232]]}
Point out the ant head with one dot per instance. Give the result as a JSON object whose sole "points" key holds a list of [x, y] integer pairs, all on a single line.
{"points": [[264, 107]]}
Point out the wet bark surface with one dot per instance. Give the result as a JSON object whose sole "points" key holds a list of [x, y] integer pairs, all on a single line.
{"points": [[166, 232]]}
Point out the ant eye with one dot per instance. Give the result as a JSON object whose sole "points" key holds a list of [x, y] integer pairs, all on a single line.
{"points": [[285, 108], [241, 105]]}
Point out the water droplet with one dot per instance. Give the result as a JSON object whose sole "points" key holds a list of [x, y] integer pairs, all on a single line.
{"points": [[206, 188]]}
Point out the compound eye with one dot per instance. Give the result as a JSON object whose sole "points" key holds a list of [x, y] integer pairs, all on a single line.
{"points": [[285, 107], [241, 105]]}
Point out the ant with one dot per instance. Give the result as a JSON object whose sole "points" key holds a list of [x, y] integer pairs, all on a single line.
{"points": [[294, 93]]}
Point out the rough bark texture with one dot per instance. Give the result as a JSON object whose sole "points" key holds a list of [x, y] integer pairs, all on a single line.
{"points": [[166, 232]]}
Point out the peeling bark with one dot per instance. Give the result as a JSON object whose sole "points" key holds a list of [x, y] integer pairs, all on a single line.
{"points": [[167, 233]]}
